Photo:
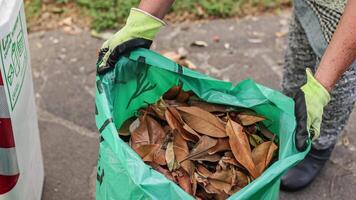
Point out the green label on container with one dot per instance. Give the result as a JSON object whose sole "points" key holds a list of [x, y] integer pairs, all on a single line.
{"points": [[14, 59]]}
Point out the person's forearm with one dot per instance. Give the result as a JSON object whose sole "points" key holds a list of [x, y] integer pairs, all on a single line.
{"points": [[341, 51], [157, 8]]}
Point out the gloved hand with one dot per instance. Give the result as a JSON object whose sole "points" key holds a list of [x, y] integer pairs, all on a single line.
{"points": [[139, 31], [310, 101]]}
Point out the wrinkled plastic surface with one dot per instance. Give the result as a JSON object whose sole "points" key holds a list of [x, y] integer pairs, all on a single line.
{"points": [[140, 79]]}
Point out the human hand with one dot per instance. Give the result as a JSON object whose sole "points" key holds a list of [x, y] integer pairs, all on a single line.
{"points": [[139, 31], [310, 101]]}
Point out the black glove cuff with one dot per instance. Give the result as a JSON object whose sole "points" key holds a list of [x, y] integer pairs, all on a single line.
{"points": [[121, 49]]}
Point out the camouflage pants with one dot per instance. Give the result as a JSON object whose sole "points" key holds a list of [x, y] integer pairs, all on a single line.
{"points": [[300, 55]]}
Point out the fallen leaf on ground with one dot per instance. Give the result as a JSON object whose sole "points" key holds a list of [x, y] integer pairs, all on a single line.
{"points": [[199, 43]]}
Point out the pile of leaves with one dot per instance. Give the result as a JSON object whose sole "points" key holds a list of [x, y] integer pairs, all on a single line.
{"points": [[211, 151]]}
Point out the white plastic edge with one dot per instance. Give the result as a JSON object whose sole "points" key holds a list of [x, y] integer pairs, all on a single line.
{"points": [[9, 10], [154, 17]]}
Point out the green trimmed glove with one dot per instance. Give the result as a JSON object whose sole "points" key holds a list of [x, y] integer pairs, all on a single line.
{"points": [[310, 101], [139, 31]]}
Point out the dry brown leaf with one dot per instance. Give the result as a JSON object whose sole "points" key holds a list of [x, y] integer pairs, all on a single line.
{"points": [[209, 107], [175, 103], [268, 134], [209, 188], [140, 135], [201, 148], [170, 156], [174, 56], [222, 145], [184, 181], [125, 127], [188, 63], [241, 147], [155, 131], [230, 159], [190, 130], [172, 93], [255, 140], [250, 118], [181, 151], [203, 121], [183, 96], [234, 189], [241, 179], [194, 184], [202, 171], [147, 151], [175, 121], [222, 180], [160, 157], [159, 108], [262, 155], [207, 157]]}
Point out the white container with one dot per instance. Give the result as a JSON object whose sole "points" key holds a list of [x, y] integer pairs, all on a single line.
{"points": [[21, 165]]}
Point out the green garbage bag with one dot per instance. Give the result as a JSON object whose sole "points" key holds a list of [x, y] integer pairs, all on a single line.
{"points": [[141, 78]]}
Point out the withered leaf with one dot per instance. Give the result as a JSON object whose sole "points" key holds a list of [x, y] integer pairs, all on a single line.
{"points": [[170, 156], [160, 157], [184, 181], [194, 184], [268, 134], [125, 127], [203, 121], [202, 171], [230, 159], [209, 107], [183, 96], [181, 151], [241, 147], [262, 155], [159, 108], [190, 130], [250, 129], [209, 188], [155, 131], [250, 118], [175, 121], [241, 179], [204, 144], [172, 93], [222, 180], [149, 131], [207, 157], [175, 103], [255, 139], [147, 151], [222, 145], [134, 125]]}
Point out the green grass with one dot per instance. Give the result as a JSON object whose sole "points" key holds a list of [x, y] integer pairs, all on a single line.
{"points": [[106, 14], [33, 8]]}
